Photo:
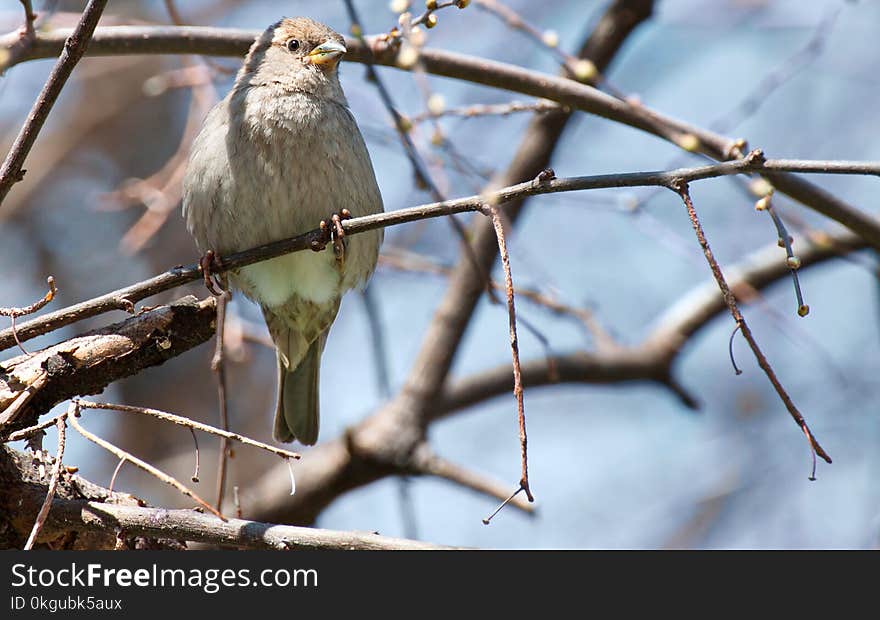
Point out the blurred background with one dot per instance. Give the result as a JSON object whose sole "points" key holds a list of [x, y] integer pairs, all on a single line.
{"points": [[623, 466]]}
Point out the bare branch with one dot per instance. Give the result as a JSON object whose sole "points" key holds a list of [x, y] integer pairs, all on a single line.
{"points": [[84, 515], [188, 423], [53, 484], [32, 384], [514, 350], [228, 42], [153, 471], [197, 527], [730, 301], [426, 463], [75, 46]]}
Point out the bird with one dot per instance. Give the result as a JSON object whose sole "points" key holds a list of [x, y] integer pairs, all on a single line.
{"points": [[278, 155]]}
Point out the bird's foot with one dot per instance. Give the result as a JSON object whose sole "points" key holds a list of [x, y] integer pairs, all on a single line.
{"points": [[209, 263], [336, 233]]}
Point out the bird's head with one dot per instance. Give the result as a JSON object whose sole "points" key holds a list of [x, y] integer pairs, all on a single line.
{"points": [[296, 53]]}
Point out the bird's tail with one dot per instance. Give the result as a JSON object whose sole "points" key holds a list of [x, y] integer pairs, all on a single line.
{"points": [[296, 415]]}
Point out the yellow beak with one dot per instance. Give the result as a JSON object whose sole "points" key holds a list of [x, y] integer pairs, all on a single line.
{"points": [[328, 53]]}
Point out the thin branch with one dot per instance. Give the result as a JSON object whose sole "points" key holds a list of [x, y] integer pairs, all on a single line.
{"points": [[426, 463], [124, 298], [34, 307], [22, 43], [116, 471], [218, 365], [188, 423], [792, 261], [53, 483], [75, 46], [153, 471], [426, 19], [29, 18], [32, 431], [730, 300], [514, 351], [423, 176], [217, 41], [492, 109]]}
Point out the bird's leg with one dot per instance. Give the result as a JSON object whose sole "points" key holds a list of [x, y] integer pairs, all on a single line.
{"points": [[336, 233], [210, 262]]}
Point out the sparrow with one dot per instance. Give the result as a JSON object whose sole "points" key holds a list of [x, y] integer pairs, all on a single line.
{"points": [[276, 157]]}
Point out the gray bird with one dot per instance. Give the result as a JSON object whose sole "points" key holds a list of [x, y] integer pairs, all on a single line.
{"points": [[278, 155]]}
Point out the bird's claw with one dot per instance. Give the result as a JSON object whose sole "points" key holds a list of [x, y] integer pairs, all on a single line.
{"points": [[209, 263], [334, 232]]}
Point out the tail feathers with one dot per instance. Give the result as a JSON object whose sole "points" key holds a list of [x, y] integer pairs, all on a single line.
{"points": [[296, 415]]}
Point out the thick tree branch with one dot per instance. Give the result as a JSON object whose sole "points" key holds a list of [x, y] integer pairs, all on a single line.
{"points": [[24, 479], [86, 516], [194, 526], [88, 363]]}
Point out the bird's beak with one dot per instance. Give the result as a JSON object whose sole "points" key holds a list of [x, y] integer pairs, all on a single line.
{"points": [[327, 54]]}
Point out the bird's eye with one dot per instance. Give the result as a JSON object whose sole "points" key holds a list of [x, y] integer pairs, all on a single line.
{"points": [[293, 45]]}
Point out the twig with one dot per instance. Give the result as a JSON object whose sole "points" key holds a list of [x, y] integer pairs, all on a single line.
{"points": [[682, 189], [31, 431], [736, 368], [29, 17], [199, 426], [425, 18], [425, 462], [792, 261], [34, 307], [423, 178], [488, 519], [11, 171], [53, 482], [116, 471], [153, 471], [195, 476], [22, 44], [514, 351], [14, 313], [377, 341], [218, 365], [493, 109]]}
